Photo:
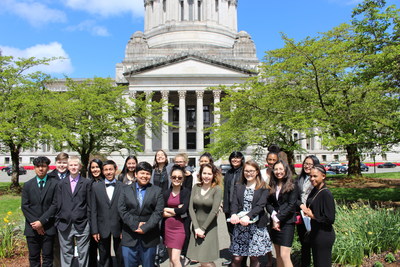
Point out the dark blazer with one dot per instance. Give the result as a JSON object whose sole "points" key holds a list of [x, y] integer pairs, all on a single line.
{"points": [[184, 197], [105, 218], [54, 174], [131, 214], [73, 208], [258, 204], [231, 178], [285, 205], [39, 205]]}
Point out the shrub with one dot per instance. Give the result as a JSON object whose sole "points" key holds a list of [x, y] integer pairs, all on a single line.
{"points": [[390, 258], [9, 232], [378, 264], [362, 230]]}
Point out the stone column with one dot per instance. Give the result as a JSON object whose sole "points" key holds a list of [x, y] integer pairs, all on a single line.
{"points": [[165, 129], [182, 121], [217, 98], [148, 144], [199, 121]]}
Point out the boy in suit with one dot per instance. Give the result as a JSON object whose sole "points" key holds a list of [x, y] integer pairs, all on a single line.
{"points": [[73, 213], [61, 170], [105, 220], [140, 206], [39, 207]]}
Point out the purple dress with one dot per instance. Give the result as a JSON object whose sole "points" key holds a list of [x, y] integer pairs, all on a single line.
{"points": [[174, 231]]}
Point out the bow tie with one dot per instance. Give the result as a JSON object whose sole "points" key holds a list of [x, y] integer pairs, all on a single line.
{"points": [[110, 184]]}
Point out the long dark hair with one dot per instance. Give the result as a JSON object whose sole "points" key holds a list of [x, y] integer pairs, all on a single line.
{"points": [[125, 169], [315, 162], [236, 154], [287, 180], [260, 183], [90, 174], [155, 165]]}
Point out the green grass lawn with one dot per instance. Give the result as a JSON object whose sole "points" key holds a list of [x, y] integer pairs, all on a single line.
{"points": [[9, 203], [370, 194]]}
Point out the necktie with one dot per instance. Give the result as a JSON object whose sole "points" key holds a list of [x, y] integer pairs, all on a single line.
{"points": [[140, 197], [41, 183], [110, 184]]}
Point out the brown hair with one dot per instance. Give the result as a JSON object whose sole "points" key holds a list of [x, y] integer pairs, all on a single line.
{"points": [[260, 183], [62, 156], [288, 184], [216, 175]]}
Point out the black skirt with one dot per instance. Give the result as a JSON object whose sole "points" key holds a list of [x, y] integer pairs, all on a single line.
{"points": [[285, 236]]}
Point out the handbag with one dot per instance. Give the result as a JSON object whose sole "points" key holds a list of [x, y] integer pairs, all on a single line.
{"points": [[299, 219]]}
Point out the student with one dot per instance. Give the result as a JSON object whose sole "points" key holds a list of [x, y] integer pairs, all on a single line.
{"points": [[105, 221], [127, 175], [249, 199], [204, 159], [61, 170], [321, 210], [161, 171], [281, 204], [182, 160], [176, 200], [140, 206], [304, 187], [272, 157], [73, 213], [38, 206], [205, 201]]}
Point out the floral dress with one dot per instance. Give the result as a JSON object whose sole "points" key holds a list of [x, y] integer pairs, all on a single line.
{"points": [[250, 240]]}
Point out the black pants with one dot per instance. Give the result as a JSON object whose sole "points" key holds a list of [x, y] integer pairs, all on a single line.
{"points": [[92, 252], [321, 245], [305, 246], [40, 244], [104, 246]]}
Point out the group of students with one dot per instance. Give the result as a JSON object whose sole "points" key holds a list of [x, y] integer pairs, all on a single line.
{"points": [[146, 204]]}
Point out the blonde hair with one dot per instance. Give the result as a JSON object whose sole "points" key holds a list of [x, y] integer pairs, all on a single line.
{"points": [[76, 159], [182, 155]]}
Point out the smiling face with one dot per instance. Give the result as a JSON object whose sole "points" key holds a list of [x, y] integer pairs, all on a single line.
{"points": [[236, 162], [317, 178], [143, 177], [180, 161], [204, 160], [109, 172], [279, 171], [95, 169], [177, 177], [308, 164], [74, 167], [131, 165], [250, 174], [62, 165], [271, 159], [207, 176], [160, 157]]}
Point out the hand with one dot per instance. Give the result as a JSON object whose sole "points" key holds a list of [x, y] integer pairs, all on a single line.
{"points": [[40, 231], [96, 237], [308, 212], [198, 233], [245, 220], [234, 219], [139, 230], [276, 226], [36, 225], [187, 173], [180, 206], [303, 207]]}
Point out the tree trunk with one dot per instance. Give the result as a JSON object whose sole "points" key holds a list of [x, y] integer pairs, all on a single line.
{"points": [[85, 162], [354, 161], [15, 186]]}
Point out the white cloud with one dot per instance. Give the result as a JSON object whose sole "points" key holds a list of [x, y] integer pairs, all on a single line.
{"points": [[35, 13], [90, 26], [108, 7], [55, 49]]}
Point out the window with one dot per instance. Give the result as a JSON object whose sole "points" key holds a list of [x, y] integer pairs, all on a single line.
{"points": [[175, 140], [191, 140], [206, 139], [206, 114], [175, 114], [164, 5], [384, 157], [191, 116], [323, 157], [191, 11], [298, 158], [199, 10], [7, 160], [182, 11], [216, 6], [31, 160], [336, 157]]}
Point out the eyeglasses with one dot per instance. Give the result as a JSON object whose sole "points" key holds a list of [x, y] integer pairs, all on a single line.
{"points": [[179, 178], [308, 165], [250, 171]]}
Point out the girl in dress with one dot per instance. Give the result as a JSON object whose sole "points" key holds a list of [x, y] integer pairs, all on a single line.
{"points": [[250, 235], [127, 175], [304, 187], [205, 201], [321, 210], [176, 201], [281, 204]]}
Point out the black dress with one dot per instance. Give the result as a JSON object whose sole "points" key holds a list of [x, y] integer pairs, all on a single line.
{"points": [[285, 206], [322, 233]]}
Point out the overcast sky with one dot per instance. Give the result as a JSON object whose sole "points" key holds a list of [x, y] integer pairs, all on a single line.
{"points": [[92, 34]]}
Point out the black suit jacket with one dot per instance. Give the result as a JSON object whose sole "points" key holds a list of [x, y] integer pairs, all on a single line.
{"points": [[258, 204], [73, 208], [285, 205], [105, 218], [54, 174], [39, 205], [131, 214]]}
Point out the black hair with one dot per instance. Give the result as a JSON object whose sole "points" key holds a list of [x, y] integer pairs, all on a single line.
{"points": [[125, 169], [319, 168], [274, 148], [315, 162], [40, 161], [287, 185], [110, 162], [236, 154], [90, 174], [143, 166], [155, 165], [207, 155]]}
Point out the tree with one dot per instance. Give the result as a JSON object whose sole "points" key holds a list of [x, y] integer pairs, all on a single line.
{"points": [[330, 85], [24, 113], [95, 117]]}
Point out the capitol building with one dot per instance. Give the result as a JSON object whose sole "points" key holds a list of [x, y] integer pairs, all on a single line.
{"points": [[186, 47]]}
